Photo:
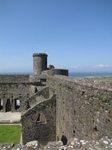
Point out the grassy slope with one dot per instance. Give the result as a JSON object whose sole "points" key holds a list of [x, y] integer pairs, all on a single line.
{"points": [[10, 134], [107, 79]]}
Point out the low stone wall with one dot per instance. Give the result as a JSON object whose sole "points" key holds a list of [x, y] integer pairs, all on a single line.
{"points": [[37, 97], [84, 108], [14, 79], [63, 72], [73, 144], [37, 79], [39, 122]]}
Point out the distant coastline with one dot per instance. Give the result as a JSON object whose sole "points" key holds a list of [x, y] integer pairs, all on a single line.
{"points": [[88, 74], [71, 74]]}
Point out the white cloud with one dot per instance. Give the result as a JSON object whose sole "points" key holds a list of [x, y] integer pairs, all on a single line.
{"points": [[74, 67], [101, 66]]}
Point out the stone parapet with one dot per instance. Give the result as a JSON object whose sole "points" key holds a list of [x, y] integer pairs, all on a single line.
{"points": [[84, 107], [14, 79], [63, 72]]}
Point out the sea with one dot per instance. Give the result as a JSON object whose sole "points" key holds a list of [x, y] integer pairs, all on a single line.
{"points": [[71, 74], [89, 74]]}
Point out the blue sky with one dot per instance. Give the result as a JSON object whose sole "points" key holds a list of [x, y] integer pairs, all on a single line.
{"points": [[76, 34]]}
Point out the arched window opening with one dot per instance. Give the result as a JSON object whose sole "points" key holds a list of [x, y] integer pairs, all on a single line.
{"points": [[41, 118], [1, 104], [17, 104], [38, 119]]}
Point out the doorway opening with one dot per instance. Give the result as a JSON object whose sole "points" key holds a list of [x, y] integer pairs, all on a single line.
{"points": [[8, 105], [1, 104], [17, 104]]}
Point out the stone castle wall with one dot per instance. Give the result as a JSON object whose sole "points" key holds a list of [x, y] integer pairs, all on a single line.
{"points": [[38, 96], [16, 87], [39, 122], [56, 72], [65, 108], [14, 78], [83, 108]]}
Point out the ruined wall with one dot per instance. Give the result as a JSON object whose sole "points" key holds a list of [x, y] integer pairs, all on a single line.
{"points": [[38, 96], [16, 87], [83, 108], [14, 78], [56, 72], [39, 122]]}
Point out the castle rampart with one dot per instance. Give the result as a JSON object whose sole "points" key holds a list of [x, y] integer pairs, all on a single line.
{"points": [[14, 79], [56, 72], [57, 106], [83, 107]]}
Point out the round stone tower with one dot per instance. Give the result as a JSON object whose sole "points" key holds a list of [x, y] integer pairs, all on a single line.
{"points": [[39, 63]]}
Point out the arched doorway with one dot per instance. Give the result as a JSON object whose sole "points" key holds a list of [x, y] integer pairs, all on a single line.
{"points": [[1, 104], [17, 104], [8, 105]]}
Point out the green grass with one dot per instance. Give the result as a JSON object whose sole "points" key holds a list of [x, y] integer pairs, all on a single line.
{"points": [[107, 79], [10, 134]]}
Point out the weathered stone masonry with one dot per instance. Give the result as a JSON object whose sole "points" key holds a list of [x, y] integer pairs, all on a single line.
{"points": [[14, 88], [39, 122], [83, 108], [57, 107]]}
